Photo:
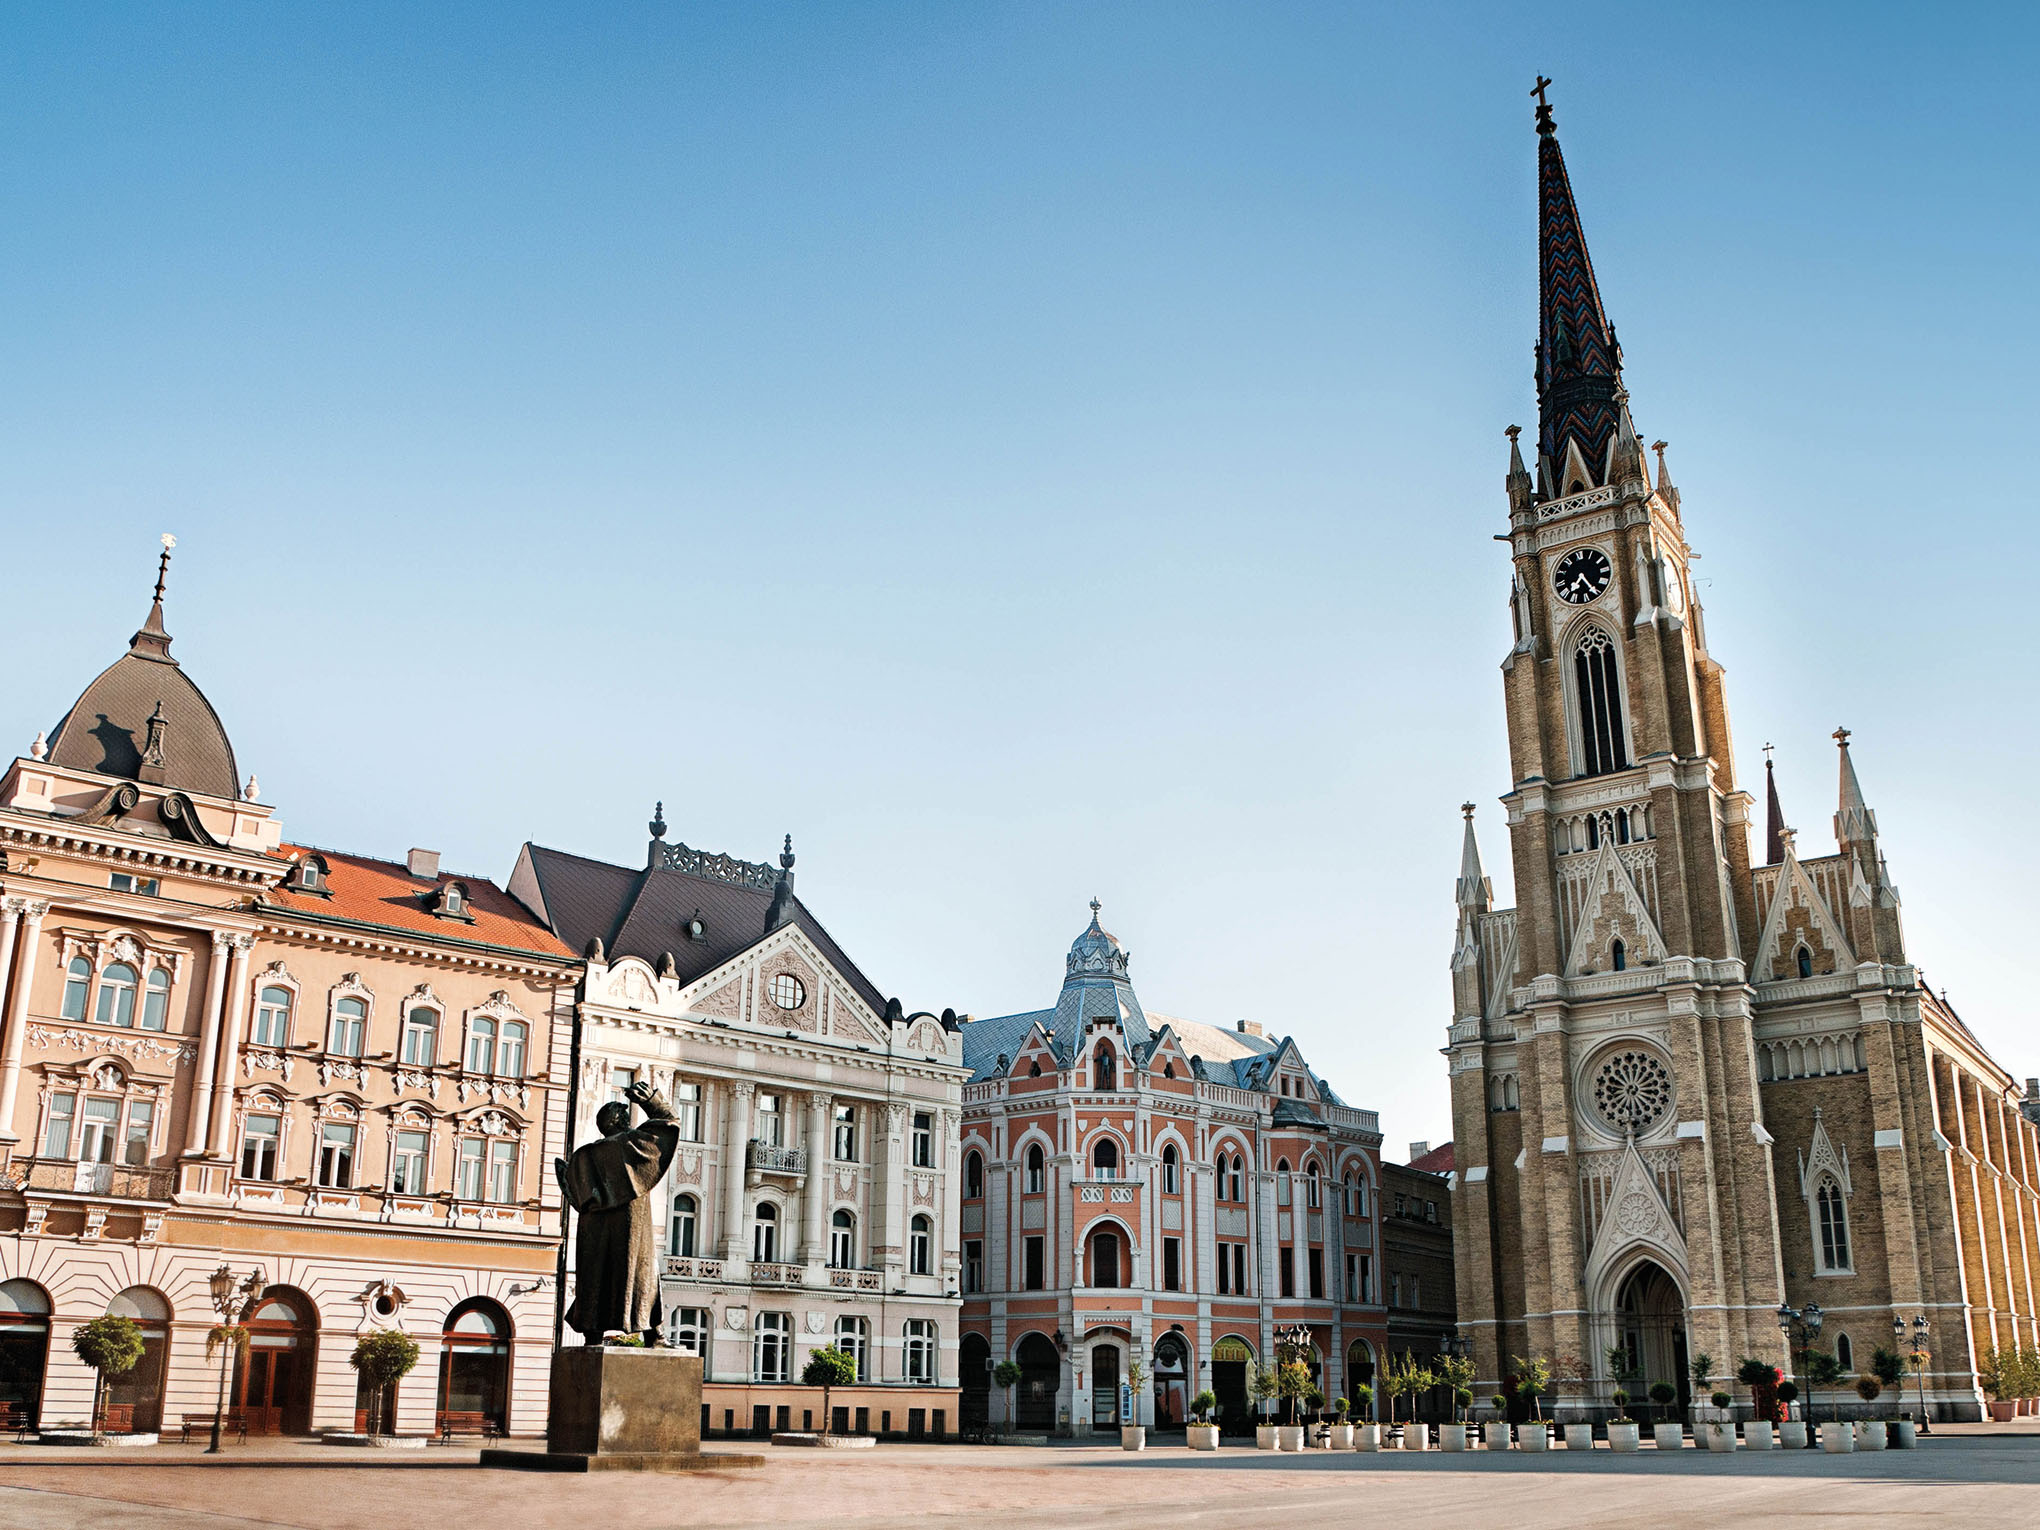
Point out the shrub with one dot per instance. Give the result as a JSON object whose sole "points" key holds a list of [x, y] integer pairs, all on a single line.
{"points": [[1203, 1403], [1868, 1387], [1788, 1391], [1664, 1394], [112, 1346], [1363, 1399], [1721, 1399], [382, 1359], [1754, 1373], [1621, 1406], [1501, 1403], [828, 1368], [1888, 1367], [1341, 1407]]}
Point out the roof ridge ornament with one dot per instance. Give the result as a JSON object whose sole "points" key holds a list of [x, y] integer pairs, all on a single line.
{"points": [[152, 641]]}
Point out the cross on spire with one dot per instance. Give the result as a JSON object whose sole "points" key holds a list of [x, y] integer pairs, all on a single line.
{"points": [[1544, 123]]}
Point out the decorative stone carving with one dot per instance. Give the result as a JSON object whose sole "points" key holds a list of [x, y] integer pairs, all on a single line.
{"points": [[1632, 1090]]}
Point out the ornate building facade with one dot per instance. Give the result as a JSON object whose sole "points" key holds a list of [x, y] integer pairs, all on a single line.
{"points": [[1139, 1188], [813, 1200], [217, 1047], [1688, 1086]]}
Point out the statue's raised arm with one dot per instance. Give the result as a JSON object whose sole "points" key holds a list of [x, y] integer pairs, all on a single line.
{"points": [[609, 1182]]}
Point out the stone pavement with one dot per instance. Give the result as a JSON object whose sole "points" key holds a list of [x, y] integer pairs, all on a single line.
{"points": [[1980, 1479]]}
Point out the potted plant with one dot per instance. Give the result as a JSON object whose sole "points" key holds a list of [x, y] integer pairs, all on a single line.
{"points": [[112, 1346], [1497, 1430], [1456, 1371], [1416, 1379], [1720, 1430], [1292, 1385], [1262, 1388], [1623, 1431], [1366, 1433], [1133, 1436], [1889, 1367], [1533, 1379], [1998, 1372], [1668, 1432], [1791, 1431], [1006, 1376], [382, 1358], [1569, 1377], [1870, 1432], [1762, 1379], [1837, 1436], [1203, 1434], [1700, 1371], [1342, 1427]]}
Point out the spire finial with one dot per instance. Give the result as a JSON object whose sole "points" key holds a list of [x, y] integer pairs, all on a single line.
{"points": [[1466, 808], [1095, 906], [1774, 815], [1840, 736], [658, 823], [786, 855], [153, 640], [1545, 127], [1512, 432]]}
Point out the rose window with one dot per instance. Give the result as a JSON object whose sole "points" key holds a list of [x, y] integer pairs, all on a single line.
{"points": [[1633, 1091]]}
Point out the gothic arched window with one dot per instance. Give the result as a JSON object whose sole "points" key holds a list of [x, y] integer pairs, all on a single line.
{"points": [[1599, 695], [1834, 1226], [1034, 1169], [1805, 962], [1618, 957]]}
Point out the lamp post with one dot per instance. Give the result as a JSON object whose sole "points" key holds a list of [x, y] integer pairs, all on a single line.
{"points": [[227, 1294], [1808, 1320], [1919, 1357]]}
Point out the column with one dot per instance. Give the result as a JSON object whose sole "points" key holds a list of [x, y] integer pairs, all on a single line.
{"points": [[736, 1140], [208, 1049], [30, 912], [230, 1048], [815, 1246], [889, 1242]]}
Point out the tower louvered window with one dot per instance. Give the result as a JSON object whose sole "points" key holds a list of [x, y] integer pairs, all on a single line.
{"points": [[1600, 704]]}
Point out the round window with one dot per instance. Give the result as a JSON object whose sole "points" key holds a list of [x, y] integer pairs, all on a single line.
{"points": [[1632, 1091], [787, 991]]}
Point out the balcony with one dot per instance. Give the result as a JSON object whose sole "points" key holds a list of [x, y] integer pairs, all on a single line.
{"points": [[113, 1180], [855, 1280], [766, 1274], [771, 1158]]}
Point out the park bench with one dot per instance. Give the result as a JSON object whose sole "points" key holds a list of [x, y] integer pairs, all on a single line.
{"points": [[465, 1426], [16, 1416], [233, 1423]]}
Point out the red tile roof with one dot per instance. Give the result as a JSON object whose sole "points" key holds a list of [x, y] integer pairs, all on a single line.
{"points": [[1437, 1161], [385, 894]]}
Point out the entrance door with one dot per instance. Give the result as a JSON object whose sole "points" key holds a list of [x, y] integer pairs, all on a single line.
{"points": [[1229, 1361], [1652, 1315], [273, 1386], [24, 1349], [1104, 1387], [1040, 1378], [974, 1381]]}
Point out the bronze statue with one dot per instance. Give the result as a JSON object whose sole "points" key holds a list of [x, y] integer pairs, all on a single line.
{"points": [[609, 1183]]}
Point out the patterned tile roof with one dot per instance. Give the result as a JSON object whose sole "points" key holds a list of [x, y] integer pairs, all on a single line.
{"points": [[1578, 361], [384, 894]]}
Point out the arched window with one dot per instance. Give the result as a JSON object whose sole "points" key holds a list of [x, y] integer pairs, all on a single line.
{"points": [[1314, 1190], [510, 1050], [1805, 962], [1102, 1076], [1618, 957], [474, 1367], [1845, 1352], [134, 1400], [1170, 1181], [853, 1337], [1599, 696], [973, 1175], [156, 1001], [918, 1350], [1282, 1181], [1239, 1169], [481, 1056], [765, 1234], [680, 1231], [1834, 1226], [921, 1247], [1034, 1169], [843, 1240], [1105, 1159], [771, 1346], [1105, 1259], [272, 1018], [421, 1037], [116, 995], [77, 987], [350, 1023]]}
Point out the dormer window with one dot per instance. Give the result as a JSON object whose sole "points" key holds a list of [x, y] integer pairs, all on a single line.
{"points": [[450, 901], [311, 877]]}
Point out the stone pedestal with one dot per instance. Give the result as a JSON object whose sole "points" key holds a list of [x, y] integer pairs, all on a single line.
{"points": [[622, 1410]]}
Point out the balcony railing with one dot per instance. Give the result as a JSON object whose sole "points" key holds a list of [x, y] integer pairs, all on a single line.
{"points": [[854, 1280], [689, 1268], [770, 1158], [109, 1179], [763, 1274]]}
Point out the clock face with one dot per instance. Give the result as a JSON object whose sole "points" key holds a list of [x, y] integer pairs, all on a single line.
{"points": [[1581, 575]]}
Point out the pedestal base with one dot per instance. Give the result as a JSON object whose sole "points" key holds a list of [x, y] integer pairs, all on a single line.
{"points": [[618, 1461]]}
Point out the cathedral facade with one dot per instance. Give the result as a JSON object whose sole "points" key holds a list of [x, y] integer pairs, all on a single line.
{"points": [[1692, 1088]]}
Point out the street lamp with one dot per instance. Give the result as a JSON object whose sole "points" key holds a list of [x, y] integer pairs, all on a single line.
{"points": [[227, 1295], [1808, 1319], [1919, 1357]]}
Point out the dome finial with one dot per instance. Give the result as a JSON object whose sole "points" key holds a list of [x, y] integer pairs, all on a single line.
{"points": [[1095, 906], [658, 823], [153, 641], [786, 855]]}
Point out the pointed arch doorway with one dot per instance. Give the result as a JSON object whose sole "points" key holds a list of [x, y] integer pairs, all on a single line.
{"points": [[1650, 1317]]}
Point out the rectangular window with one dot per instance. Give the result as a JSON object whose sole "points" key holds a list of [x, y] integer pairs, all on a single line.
{"points": [[1172, 1264], [57, 1140], [259, 1136], [1032, 1252], [336, 1156], [503, 1172], [467, 1180], [1366, 1277], [122, 881], [141, 1116], [973, 1264], [854, 1339], [687, 1110], [919, 1350], [1317, 1274], [844, 1147], [1285, 1269], [407, 1164], [1239, 1269], [770, 1126], [771, 1340], [421, 1038], [272, 1018], [1395, 1290], [620, 1079], [1430, 1211], [1416, 1292], [1352, 1277], [98, 1124], [924, 1140]]}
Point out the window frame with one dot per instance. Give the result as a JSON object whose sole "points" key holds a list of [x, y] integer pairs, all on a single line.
{"points": [[683, 1226]]}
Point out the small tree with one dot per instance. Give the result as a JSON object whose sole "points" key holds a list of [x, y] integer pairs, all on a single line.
{"points": [[1996, 1373], [1533, 1377], [1664, 1394], [112, 1346], [1136, 1383], [1456, 1371], [1701, 1369], [1621, 1407], [1889, 1367], [1822, 1369], [1292, 1383], [1203, 1403], [1363, 1401], [1006, 1376], [1762, 1378], [382, 1359], [1869, 1388], [829, 1368], [1261, 1386], [1721, 1400]]}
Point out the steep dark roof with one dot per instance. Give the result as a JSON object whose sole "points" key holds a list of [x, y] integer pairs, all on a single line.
{"points": [[1578, 362], [645, 913]]}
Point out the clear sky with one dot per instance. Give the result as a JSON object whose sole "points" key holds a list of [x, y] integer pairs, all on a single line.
{"points": [[1027, 452]]}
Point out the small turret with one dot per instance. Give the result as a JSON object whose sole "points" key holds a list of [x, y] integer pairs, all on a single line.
{"points": [[1522, 491], [1774, 816]]}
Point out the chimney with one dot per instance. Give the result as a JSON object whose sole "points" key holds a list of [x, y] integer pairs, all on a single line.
{"points": [[423, 863], [1250, 1028], [1418, 1150]]}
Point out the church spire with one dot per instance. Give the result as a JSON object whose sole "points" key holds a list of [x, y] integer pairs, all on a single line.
{"points": [[1774, 816], [1472, 890], [152, 641], [1855, 824], [1578, 362]]}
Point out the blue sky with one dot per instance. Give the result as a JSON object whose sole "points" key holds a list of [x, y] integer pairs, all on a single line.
{"points": [[1028, 452]]}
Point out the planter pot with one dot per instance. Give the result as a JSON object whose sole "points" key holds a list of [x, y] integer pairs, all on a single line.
{"points": [[1535, 1435], [1837, 1439], [1792, 1434], [1452, 1436], [1291, 1436], [1669, 1436], [1625, 1435], [1870, 1435], [1201, 1436], [1367, 1436], [1904, 1434], [1342, 1437], [1579, 1436], [1497, 1436], [1264, 1437], [1758, 1436], [1720, 1436], [2003, 1412], [1133, 1437], [1416, 1437]]}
